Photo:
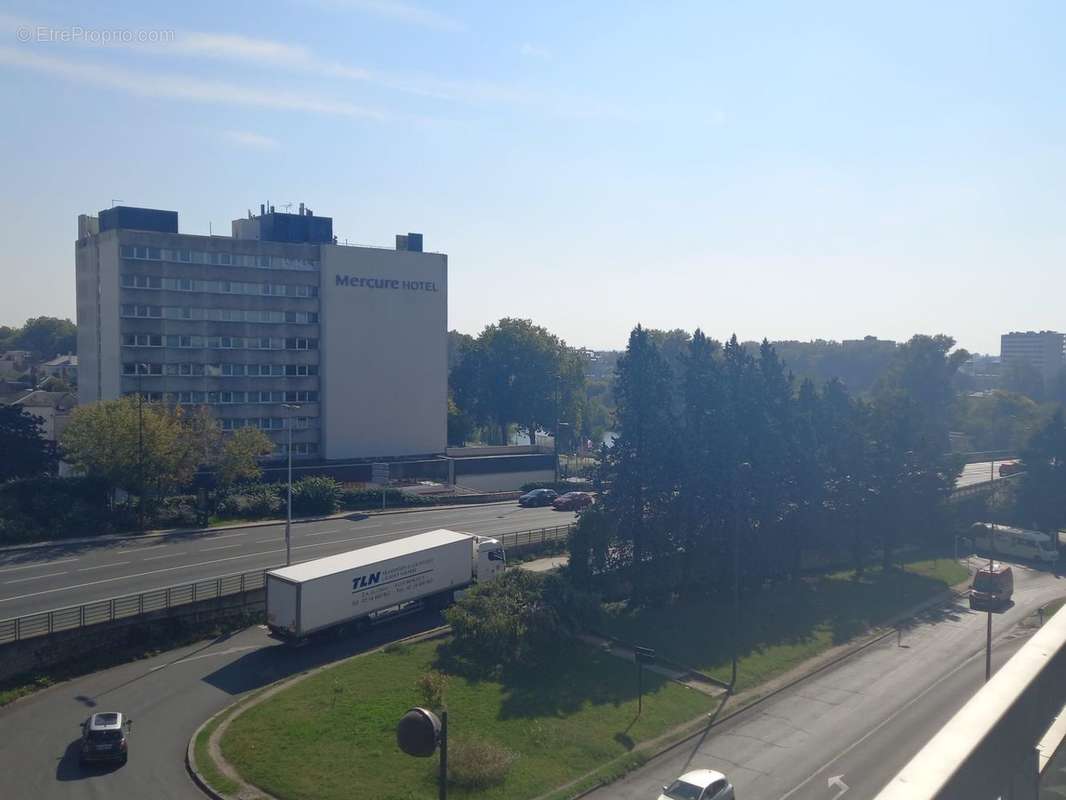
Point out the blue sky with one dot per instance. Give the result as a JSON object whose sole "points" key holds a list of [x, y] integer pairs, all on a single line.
{"points": [[788, 170]]}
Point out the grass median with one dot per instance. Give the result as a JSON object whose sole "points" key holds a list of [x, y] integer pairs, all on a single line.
{"points": [[333, 735], [782, 626]]}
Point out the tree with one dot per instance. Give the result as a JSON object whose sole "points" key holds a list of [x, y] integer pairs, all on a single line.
{"points": [[638, 464], [516, 372], [239, 457], [922, 370], [1021, 377], [1042, 500], [140, 448], [48, 337], [26, 452]]}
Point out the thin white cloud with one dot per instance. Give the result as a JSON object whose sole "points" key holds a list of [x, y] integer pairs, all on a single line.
{"points": [[532, 51], [402, 12], [160, 85], [233, 47], [251, 139]]}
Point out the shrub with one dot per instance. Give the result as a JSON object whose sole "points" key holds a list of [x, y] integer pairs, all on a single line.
{"points": [[517, 620], [177, 511], [432, 687], [371, 498], [315, 494], [252, 500], [53, 508], [477, 764]]}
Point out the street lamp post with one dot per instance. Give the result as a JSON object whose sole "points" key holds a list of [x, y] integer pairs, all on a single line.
{"points": [[558, 425], [740, 480], [288, 512], [141, 369]]}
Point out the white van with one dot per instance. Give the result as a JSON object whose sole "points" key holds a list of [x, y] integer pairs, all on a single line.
{"points": [[1003, 540]]}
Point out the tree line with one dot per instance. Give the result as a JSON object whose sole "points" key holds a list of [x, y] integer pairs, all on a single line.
{"points": [[45, 337], [720, 455]]}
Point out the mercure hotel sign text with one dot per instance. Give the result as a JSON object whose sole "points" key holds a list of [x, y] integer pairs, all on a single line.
{"points": [[386, 283]]}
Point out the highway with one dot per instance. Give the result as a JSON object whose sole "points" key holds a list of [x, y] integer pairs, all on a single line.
{"points": [[861, 720], [980, 472], [61, 575], [857, 724]]}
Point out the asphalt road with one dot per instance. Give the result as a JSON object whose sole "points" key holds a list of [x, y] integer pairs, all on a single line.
{"points": [[861, 720], [69, 574], [980, 472], [857, 724], [167, 698]]}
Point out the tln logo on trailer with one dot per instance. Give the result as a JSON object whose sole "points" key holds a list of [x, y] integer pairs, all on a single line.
{"points": [[365, 581]]}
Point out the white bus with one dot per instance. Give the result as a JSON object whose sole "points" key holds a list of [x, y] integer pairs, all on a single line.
{"points": [[1003, 540]]}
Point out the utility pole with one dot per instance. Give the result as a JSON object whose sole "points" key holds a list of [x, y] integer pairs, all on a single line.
{"points": [[288, 505], [988, 634], [739, 480]]}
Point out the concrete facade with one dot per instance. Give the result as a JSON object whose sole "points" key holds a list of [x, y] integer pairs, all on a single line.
{"points": [[1045, 351], [355, 336]]}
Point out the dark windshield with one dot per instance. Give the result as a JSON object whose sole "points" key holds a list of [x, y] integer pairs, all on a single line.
{"points": [[985, 582], [105, 736], [679, 790]]}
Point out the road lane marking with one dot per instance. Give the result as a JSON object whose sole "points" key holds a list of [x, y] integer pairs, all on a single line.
{"points": [[881, 725], [226, 652], [104, 566], [268, 541], [221, 547], [257, 554], [168, 555], [39, 564], [36, 577], [319, 533], [224, 536]]}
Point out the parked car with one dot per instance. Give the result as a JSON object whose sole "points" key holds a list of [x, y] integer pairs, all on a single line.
{"points": [[700, 784], [993, 586], [105, 737], [572, 501], [538, 497]]}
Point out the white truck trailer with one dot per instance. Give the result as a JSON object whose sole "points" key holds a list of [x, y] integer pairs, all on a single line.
{"points": [[309, 597]]}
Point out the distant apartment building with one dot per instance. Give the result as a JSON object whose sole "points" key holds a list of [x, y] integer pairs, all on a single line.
{"points": [[274, 316], [51, 408], [1043, 350], [63, 367]]}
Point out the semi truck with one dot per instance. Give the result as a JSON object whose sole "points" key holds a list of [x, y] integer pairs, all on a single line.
{"points": [[361, 585]]}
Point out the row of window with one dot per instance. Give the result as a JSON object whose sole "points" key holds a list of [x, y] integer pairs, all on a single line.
{"points": [[225, 398], [183, 256], [219, 342], [298, 449], [218, 287], [222, 370], [218, 314], [268, 423]]}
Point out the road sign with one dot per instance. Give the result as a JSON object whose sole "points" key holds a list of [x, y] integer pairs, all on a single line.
{"points": [[644, 655]]}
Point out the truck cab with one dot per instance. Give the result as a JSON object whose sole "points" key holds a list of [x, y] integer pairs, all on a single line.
{"points": [[489, 559]]}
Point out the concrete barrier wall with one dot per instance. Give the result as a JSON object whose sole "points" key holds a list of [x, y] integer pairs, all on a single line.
{"points": [[57, 649]]}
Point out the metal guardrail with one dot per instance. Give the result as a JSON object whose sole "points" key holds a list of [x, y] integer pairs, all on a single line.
{"points": [[129, 606]]}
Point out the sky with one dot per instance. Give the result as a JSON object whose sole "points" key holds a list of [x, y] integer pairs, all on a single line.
{"points": [[781, 170]]}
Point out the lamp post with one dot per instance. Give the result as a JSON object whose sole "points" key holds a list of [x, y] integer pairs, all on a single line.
{"points": [[141, 370], [288, 512], [739, 483]]}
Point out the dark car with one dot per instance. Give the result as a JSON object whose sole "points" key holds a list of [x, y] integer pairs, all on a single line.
{"points": [[105, 737], [572, 501], [538, 497]]}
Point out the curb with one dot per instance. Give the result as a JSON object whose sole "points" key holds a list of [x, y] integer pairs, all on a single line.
{"points": [[265, 692], [949, 594], [190, 760], [120, 537]]}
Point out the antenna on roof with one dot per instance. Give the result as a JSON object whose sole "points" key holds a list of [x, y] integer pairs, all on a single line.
{"points": [[113, 201], [287, 207]]}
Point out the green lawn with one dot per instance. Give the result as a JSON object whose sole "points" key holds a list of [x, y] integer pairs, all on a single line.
{"points": [[333, 734], [783, 626]]}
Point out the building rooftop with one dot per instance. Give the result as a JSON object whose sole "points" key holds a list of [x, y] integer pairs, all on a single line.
{"points": [[69, 360]]}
